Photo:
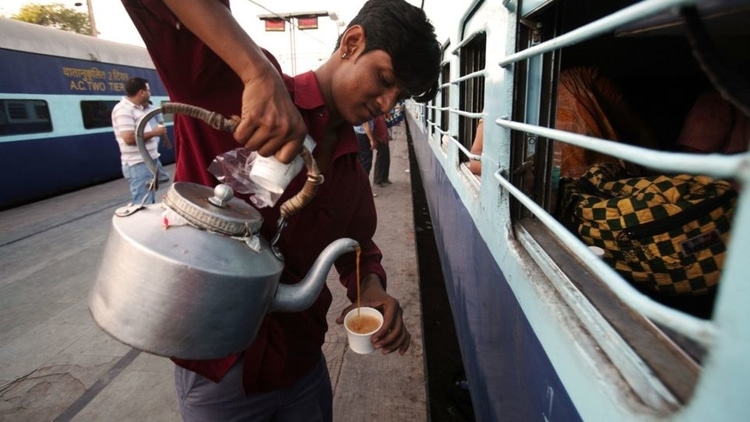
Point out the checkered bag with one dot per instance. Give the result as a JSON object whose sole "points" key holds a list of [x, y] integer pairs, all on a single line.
{"points": [[663, 233]]}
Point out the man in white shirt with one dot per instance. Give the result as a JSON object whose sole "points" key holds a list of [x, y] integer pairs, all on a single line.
{"points": [[125, 117]]}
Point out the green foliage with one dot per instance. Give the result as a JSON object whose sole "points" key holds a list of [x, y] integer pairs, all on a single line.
{"points": [[55, 15]]}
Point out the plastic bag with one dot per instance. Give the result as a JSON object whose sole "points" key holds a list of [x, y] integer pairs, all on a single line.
{"points": [[265, 185], [233, 168]]}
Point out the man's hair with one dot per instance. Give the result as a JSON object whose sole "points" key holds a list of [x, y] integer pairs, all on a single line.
{"points": [[133, 85], [403, 31]]}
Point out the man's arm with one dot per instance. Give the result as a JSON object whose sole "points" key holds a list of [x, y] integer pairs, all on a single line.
{"points": [[129, 135], [370, 135], [271, 124], [476, 148], [124, 125]]}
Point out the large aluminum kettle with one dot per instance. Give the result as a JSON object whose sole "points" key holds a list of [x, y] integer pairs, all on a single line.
{"points": [[191, 277]]}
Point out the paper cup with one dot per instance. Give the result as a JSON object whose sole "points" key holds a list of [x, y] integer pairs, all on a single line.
{"points": [[273, 175], [360, 327]]}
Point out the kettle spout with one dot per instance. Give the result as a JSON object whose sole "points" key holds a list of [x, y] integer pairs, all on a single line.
{"points": [[300, 296]]}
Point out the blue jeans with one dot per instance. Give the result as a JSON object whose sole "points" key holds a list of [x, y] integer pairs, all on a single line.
{"points": [[308, 400], [139, 176]]}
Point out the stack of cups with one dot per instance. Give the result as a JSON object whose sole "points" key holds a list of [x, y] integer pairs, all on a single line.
{"points": [[273, 175]]}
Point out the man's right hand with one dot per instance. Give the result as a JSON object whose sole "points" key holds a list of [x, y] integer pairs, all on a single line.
{"points": [[270, 122], [159, 130]]}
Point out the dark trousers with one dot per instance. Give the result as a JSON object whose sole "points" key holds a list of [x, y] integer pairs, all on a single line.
{"points": [[382, 164], [308, 400], [365, 152]]}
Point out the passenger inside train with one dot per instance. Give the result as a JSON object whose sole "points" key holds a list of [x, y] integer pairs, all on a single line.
{"points": [[476, 148], [588, 103], [714, 124]]}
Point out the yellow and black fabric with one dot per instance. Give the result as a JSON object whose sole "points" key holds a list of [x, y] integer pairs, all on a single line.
{"points": [[668, 234]]}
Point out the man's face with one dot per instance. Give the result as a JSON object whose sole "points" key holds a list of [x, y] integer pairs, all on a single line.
{"points": [[146, 94], [364, 87]]}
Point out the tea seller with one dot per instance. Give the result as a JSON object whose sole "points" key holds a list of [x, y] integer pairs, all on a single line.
{"points": [[387, 53]]}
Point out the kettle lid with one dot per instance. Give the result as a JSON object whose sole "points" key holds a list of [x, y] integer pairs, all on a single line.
{"points": [[215, 210]]}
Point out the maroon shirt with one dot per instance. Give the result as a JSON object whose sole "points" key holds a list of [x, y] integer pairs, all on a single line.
{"points": [[288, 345]]}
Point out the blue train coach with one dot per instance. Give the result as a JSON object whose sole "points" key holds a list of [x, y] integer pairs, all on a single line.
{"points": [[57, 91], [548, 330]]}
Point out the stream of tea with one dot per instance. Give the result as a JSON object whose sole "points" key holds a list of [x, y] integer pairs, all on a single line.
{"points": [[358, 251], [362, 323]]}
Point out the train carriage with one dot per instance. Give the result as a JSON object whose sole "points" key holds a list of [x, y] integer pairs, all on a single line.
{"points": [[547, 329], [56, 94]]}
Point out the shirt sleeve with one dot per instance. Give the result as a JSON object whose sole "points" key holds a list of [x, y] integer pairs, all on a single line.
{"points": [[123, 120]]}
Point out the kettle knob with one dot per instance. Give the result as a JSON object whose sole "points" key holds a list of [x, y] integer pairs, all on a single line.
{"points": [[222, 195], [221, 213]]}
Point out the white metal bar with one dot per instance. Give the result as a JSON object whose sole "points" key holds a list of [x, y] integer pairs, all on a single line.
{"points": [[473, 75], [467, 40], [460, 146], [605, 25], [716, 165], [439, 108], [472, 115]]}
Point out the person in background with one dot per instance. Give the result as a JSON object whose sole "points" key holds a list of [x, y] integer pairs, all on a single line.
{"points": [[125, 117], [367, 143], [383, 157], [590, 103], [163, 175], [714, 125], [476, 148], [388, 52]]}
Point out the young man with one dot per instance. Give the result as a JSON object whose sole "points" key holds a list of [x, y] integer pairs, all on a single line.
{"points": [[125, 117], [388, 52]]}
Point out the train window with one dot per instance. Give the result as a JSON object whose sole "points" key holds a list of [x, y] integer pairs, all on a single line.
{"points": [[473, 56], [445, 77], [601, 87], [431, 114], [19, 116], [97, 114]]}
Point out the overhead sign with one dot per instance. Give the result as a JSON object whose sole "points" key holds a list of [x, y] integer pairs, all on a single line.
{"points": [[275, 25], [307, 22]]}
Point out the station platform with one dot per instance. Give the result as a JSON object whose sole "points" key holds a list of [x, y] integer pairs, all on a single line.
{"points": [[56, 364]]}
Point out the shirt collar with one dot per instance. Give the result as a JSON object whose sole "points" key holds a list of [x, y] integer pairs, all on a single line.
{"points": [[309, 99], [132, 103], [307, 93]]}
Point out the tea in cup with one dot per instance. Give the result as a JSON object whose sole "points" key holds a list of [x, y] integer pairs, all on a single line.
{"points": [[361, 323]]}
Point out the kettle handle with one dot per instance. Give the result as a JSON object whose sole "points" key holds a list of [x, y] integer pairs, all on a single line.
{"points": [[219, 122]]}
